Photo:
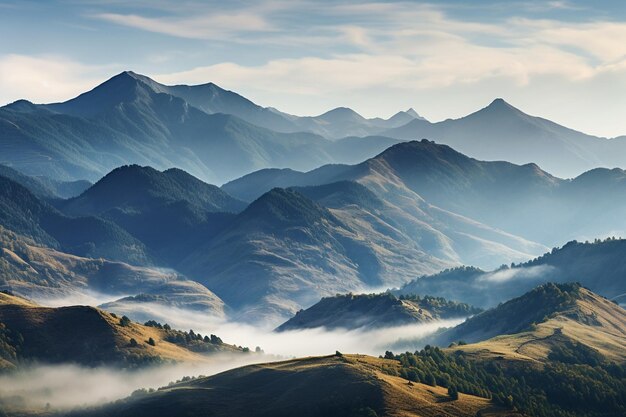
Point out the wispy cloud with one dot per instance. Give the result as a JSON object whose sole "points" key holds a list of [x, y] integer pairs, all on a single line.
{"points": [[209, 26]]}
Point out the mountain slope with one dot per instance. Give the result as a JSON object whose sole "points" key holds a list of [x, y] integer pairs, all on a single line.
{"points": [[44, 187], [50, 276], [431, 193], [140, 188], [24, 214], [285, 251], [549, 316], [502, 132], [374, 310], [521, 200], [171, 212], [330, 386]]}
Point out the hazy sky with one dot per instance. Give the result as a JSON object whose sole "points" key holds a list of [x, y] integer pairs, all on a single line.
{"points": [[563, 60]]}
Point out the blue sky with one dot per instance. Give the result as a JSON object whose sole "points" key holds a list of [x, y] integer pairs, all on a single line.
{"points": [[564, 60]]}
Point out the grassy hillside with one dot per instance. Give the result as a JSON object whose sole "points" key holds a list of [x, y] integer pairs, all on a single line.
{"points": [[42, 273], [557, 351], [90, 336], [375, 310], [350, 385], [552, 315]]}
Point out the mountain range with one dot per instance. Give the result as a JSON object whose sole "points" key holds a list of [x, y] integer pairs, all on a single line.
{"points": [[130, 119], [218, 135], [415, 209], [428, 178]]}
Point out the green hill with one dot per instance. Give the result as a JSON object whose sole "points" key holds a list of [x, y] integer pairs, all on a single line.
{"points": [[375, 310]]}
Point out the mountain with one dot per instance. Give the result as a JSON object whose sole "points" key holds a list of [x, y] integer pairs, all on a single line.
{"points": [[212, 99], [350, 385], [130, 119], [599, 266], [523, 201], [285, 251], [25, 214], [88, 336], [136, 188], [171, 211], [430, 192], [52, 277], [342, 122], [503, 132], [374, 311], [544, 320]]}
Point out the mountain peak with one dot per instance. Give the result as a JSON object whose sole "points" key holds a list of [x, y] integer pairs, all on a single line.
{"points": [[411, 112], [340, 114], [500, 104], [286, 206]]}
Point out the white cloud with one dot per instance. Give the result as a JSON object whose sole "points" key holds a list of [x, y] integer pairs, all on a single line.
{"points": [[208, 26], [45, 78]]}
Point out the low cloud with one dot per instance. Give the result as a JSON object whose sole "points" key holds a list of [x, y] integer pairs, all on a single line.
{"points": [[69, 386], [509, 274]]}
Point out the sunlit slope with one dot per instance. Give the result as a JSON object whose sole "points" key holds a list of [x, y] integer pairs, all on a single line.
{"points": [[546, 319], [350, 385], [85, 335], [50, 275]]}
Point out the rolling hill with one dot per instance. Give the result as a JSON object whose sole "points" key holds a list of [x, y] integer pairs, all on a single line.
{"points": [[89, 336], [373, 311], [542, 321], [351, 385]]}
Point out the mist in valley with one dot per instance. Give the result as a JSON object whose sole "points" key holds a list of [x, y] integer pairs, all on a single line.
{"points": [[62, 387]]}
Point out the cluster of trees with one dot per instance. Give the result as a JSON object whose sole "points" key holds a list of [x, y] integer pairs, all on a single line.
{"points": [[441, 306], [191, 338], [564, 387], [10, 343]]}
